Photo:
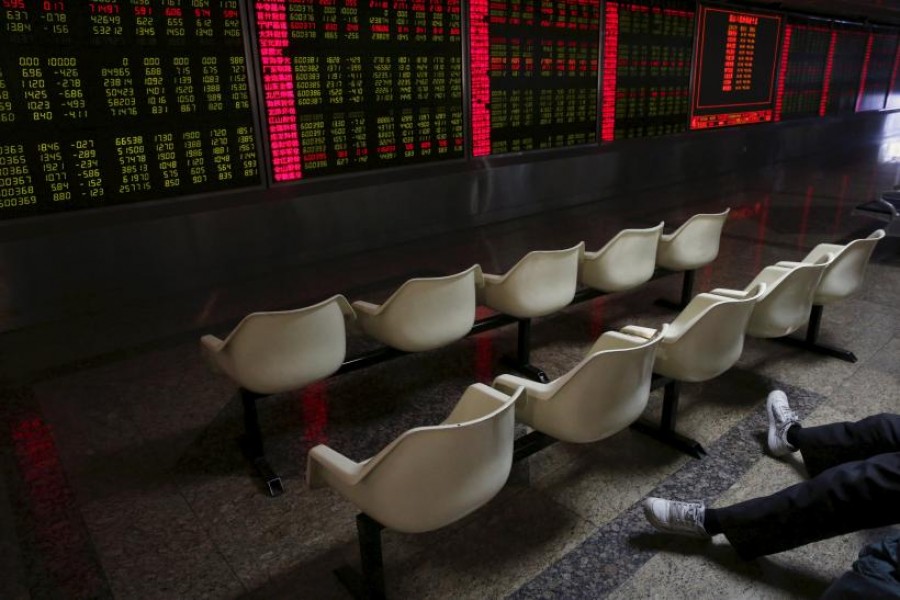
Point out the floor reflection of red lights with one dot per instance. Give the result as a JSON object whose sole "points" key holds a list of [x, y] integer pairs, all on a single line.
{"points": [[314, 405], [484, 357], [55, 526]]}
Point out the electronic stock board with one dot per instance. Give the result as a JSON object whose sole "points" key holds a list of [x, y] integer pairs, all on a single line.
{"points": [[805, 61], [646, 71], [352, 85], [533, 73], [105, 102]]}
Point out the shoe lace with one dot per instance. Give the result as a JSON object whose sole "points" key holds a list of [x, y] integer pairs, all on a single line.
{"points": [[687, 513]]}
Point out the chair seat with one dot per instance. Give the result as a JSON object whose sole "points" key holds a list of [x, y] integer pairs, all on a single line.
{"points": [[693, 245], [429, 477], [541, 283], [606, 392], [625, 262], [424, 313], [706, 338], [275, 352]]}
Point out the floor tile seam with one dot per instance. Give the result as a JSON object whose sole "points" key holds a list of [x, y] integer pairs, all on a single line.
{"points": [[211, 538], [736, 438]]}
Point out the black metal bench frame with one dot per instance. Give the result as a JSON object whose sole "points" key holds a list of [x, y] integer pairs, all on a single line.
{"points": [[253, 445]]}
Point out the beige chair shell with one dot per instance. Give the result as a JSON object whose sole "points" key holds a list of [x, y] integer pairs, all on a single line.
{"points": [[786, 304], [706, 338], [625, 262], [846, 273], [694, 244], [541, 283], [424, 313], [602, 395], [275, 352], [429, 477]]}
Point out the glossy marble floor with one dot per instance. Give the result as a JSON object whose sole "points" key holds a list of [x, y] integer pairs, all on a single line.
{"points": [[122, 478]]}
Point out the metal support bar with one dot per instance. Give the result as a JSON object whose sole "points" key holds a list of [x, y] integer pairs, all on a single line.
{"points": [[687, 292], [812, 333], [522, 360], [253, 446], [369, 585], [812, 327], [530, 443], [368, 359], [665, 431]]}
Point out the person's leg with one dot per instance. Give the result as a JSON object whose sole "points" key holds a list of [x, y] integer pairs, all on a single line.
{"points": [[829, 445], [849, 497]]}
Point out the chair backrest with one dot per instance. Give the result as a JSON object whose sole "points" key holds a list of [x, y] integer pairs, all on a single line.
{"points": [[427, 313], [541, 283], [846, 273], [694, 244], [274, 352], [707, 337], [786, 305], [430, 477], [602, 395], [626, 261]]}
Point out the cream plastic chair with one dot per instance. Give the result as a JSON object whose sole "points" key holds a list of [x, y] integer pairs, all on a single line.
{"points": [[424, 313], [541, 283], [841, 279], [427, 478], [693, 245], [706, 338], [703, 341], [625, 262], [275, 352], [602, 395], [786, 304]]}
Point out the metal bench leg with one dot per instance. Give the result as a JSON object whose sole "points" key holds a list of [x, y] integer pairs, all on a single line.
{"points": [[812, 334], [522, 360], [369, 585], [687, 292], [665, 431], [252, 443]]}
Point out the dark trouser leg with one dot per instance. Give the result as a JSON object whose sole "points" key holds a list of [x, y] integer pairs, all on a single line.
{"points": [[834, 444], [849, 497]]}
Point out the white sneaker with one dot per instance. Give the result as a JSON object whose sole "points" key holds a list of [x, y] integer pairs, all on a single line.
{"points": [[672, 516], [781, 416]]}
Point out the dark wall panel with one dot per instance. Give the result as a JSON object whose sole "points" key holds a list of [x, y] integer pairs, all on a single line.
{"points": [[81, 263]]}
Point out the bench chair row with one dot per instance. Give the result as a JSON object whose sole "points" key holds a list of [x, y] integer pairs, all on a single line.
{"points": [[274, 352], [432, 476]]}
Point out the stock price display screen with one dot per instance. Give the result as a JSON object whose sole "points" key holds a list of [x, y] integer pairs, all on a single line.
{"points": [[110, 101], [847, 57], [801, 79], [360, 84], [533, 74], [735, 77], [878, 69], [646, 68]]}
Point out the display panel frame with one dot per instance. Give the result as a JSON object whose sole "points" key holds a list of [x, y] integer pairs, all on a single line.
{"points": [[714, 117]]}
